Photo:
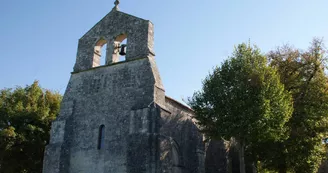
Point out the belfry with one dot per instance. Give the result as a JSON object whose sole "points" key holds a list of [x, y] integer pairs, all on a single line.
{"points": [[115, 116]]}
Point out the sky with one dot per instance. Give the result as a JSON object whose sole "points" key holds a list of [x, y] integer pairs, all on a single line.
{"points": [[38, 38]]}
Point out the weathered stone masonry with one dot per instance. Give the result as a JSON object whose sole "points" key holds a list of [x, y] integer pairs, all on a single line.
{"points": [[123, 106]]}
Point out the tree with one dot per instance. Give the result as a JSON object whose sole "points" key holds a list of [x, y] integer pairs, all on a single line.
{"points": [[25, 118], [243, 99], [302, 73]]}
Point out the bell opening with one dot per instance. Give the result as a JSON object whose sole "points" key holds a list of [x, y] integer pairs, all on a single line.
{"points": [[99, 54], [120, 48], [103, 55], [123, 50]]}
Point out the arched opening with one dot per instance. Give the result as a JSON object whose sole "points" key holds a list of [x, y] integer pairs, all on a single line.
{"points": [[170, 155], [176, 157], [120, 48], [103, 54], [101, 137], [122, 57], [99, 55]]}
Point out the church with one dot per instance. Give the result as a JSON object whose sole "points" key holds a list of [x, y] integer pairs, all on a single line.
{"points": [[115, 116]]}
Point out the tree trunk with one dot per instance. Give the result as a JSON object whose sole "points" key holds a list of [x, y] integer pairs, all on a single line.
{"points": [[241, 156]]}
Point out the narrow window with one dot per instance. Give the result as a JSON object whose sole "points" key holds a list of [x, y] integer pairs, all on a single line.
{"points": [[99, 55], [103, 55], [101, 137]]}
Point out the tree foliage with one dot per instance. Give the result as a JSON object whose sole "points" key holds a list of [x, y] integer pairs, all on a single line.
{"points": [[303, 74], [25, 118], [243, 99]]}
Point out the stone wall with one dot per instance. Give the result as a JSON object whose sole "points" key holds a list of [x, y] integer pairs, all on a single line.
{"points": [[182, 147], [101, 96]]}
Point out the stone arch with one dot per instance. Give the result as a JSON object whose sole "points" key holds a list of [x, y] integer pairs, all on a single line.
{"points": [[176, 157], [97, 53], [170, 156], [117, 44]]}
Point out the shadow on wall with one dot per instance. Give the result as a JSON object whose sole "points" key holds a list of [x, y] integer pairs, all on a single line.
{"points": [[222, 157], [170, 155], [181, 147]]}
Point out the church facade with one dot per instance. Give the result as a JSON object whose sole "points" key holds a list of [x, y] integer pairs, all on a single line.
{"points": [[115, 117]]}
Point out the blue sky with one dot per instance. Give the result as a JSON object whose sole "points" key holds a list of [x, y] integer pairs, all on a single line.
{"points": [[38, 38]]}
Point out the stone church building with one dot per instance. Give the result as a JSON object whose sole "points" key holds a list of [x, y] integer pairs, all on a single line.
{"points": [[115, 116]]}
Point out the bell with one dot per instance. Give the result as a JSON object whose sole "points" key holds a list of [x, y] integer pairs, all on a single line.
{"points": [[122, 52]]}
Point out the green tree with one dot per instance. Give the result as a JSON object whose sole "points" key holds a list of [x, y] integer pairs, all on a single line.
{"points": [[25, 118], [303, 74], [243, 99]]}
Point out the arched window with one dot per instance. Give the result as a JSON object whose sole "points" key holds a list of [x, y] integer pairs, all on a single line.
{"points": [[103, 54], [120, 48], [101, 137], [99, 54], [124, 42]]}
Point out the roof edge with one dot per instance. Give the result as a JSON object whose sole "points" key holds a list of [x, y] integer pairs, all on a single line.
{"points": [[112, 11], [180, 104]]}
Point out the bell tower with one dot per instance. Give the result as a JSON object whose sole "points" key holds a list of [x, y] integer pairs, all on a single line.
{"points": [[109, 114], [115, 117], [112, 30]]}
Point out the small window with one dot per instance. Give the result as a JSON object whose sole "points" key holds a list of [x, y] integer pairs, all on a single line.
{"points": [[101, 137]]}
